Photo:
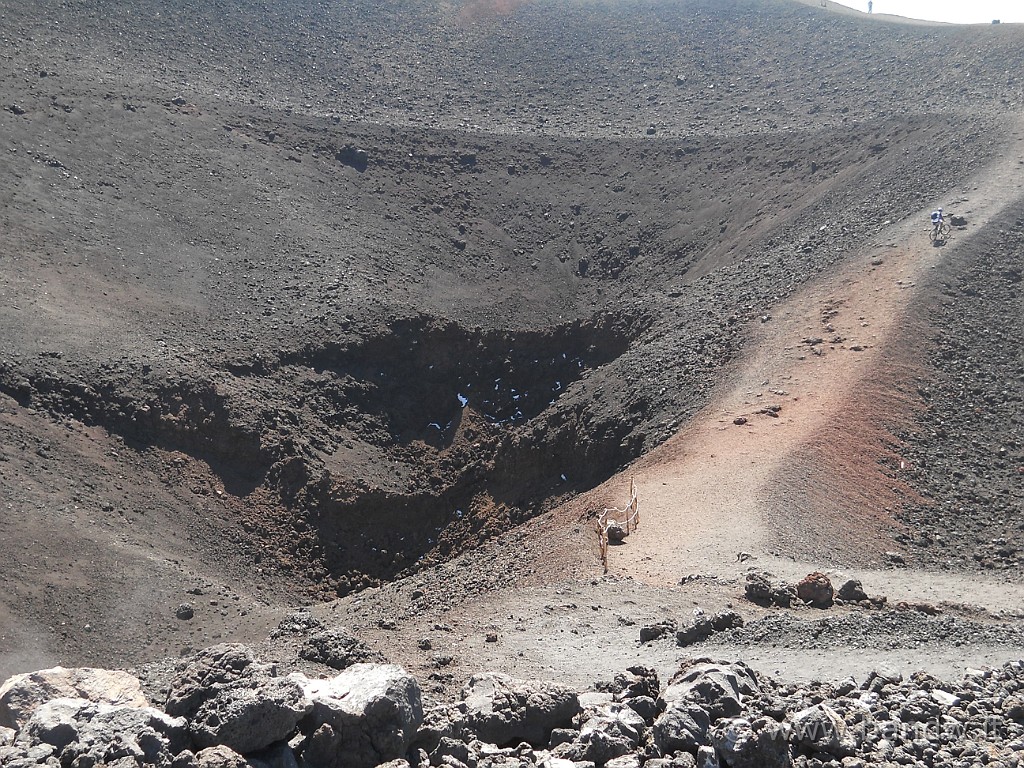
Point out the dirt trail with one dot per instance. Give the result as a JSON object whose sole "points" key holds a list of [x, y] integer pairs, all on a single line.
{"points": [[711, 492]]}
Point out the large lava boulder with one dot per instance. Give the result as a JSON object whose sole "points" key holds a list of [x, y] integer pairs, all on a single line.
{"points": [[683, 727], [250, 715], [365, 716], [203, 675], [86, 733], [718, 687], [20, 695], [816, 589], [761, 743], [232, 700], [612, 731], [504, 711]]}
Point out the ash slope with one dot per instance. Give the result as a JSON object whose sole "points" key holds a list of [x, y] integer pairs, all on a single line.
{"points": [[255, 261]]}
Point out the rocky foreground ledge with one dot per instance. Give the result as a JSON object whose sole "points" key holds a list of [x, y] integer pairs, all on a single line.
{"points": [[226, 709]]}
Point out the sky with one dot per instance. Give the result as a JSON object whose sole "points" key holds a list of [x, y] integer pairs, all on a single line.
{"points": [[955, 11]]}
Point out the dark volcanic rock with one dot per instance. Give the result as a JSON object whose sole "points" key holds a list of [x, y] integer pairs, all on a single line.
{"points": [[852, 591], [336, 648], [721, 713], [200, 677], [684, 725], [718, 687], [759, 588], [249, 716]]}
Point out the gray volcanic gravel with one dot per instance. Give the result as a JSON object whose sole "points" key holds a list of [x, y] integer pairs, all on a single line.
{"points": [[966, 453], [875, 629]]}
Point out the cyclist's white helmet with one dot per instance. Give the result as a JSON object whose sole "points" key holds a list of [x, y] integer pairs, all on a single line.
{"points": [[940, 210]]}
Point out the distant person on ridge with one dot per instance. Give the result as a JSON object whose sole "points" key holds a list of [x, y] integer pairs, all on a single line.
{"points": [[870, 5]]}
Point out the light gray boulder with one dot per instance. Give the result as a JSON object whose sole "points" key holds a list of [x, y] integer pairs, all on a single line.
{"points": [[505, 711], [365, 716], [56, 723], [595, 699], [20, 695], [86, 733], [741, 743], [618, 720], [718, 687], [250, 715], [821, 729], [23, 756]]}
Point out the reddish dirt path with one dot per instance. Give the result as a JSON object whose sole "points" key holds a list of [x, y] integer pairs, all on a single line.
{"points": [[802, 490]]}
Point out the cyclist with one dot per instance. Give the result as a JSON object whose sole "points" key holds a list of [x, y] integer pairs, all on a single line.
{"points": [[936, 222]]}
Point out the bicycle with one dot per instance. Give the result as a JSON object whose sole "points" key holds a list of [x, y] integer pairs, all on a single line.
{"points": [[940, 232]]}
